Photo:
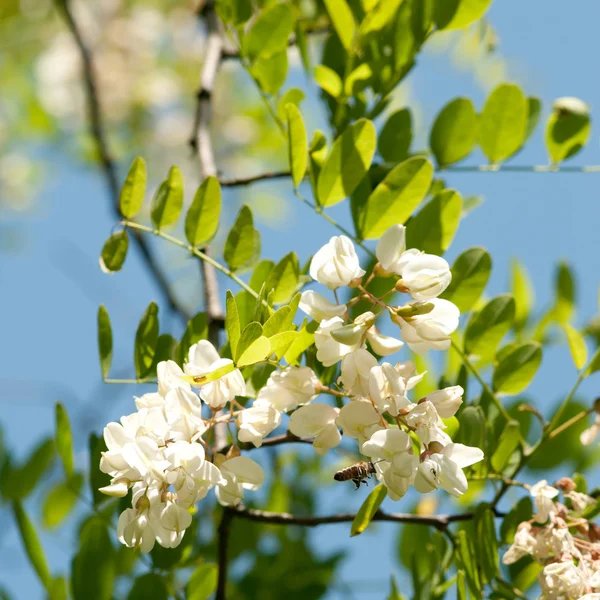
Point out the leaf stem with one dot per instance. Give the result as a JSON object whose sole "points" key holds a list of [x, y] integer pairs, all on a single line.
{"points": [[198, 253]]}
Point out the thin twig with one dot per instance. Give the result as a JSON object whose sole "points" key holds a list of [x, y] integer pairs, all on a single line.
{"points": [[243, 181], [278, 440], [440, 522], [223, 541], [98, 133]]}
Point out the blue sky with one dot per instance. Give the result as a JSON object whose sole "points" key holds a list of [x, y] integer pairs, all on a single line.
{"points": [[52, 286]]}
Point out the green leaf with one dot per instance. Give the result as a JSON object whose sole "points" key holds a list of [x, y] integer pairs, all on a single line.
{"points": [[472, 427], [202, 219], [281, 342], [521, 511], [486, 543], [64, 439], [277, 322], [249, 335], [305, 339], [566, 133], [522, 291], [270, 71], [260, 274], [19, 482], [394, 592], [146, 338], [196, 330], [242, 246], [293, 96], [457, 14], [283, 278], [576, 346], [203, 582], [235, 12], [317, 153], [328, 80], [59, 589], [396, 136], [510, 440], [377, 18], [470, 274], [149, 586], [516, 370], [105, 341], [396, 197], [486, 328], [270, 32], [503, 124], [98, 479], [347, 163], [32, 545], [465, 560], [257, 351], [461, 585], [594, 363], [534, 106], [134, 189], [297, 144], [114, 252], [564, 305], [168, 200], [454, 132], [433, 228], [367, 510], [60, 501], [343, 21], [232, 322], [358, 80], [93, 569]]}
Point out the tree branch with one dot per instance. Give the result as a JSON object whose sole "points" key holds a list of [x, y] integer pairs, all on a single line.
{"points": [[242, 181], [278, 440], [440, 522], [98, 133], [223, 545]]}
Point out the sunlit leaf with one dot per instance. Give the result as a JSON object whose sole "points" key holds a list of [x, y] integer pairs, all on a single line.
{"points": [[487, 327], [516, 370], [577, 346], [328, 80], [196, 330], [242, 246], [105, 341], [202, 219], [567, 132], [114, 252], [270, 31], [270, 71], [343, 21], [348, 161], [297, 144], [470, 274], [168, 200], [134, 189], [283, 278], [396, 136], [60, 501], [146, 338], [203, 582], [64, 439], [522, 291], [368, 509], [456, 14]]}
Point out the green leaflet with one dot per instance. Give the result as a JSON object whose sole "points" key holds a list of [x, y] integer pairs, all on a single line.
{"points": [[114, 252], [134, 189], [168, 200], [202, 219]]}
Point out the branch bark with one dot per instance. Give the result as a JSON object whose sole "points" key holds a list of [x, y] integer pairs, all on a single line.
{"points": [[223, 542], [243, 181], [109, 169]]}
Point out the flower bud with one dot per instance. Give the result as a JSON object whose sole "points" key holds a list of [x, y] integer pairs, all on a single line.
{"points": [[319, 308], [336, 264], [356, 367], [383, 344], [426, 276], [117, 489], [446, 401]]}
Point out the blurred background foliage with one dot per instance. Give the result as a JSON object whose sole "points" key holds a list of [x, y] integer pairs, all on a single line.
{"points": [[148, 56]]}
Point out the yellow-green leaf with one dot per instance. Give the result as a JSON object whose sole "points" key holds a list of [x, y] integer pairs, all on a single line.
{"points": [[522, 290], [517, 368], [114, 252], [487, 327], [168, 200], [368, 509], [576, 345], [328, 80], [281, 342], [343, 21], [396, 197], [347, 163], [510, 440], [457, 14], [297, 144], [258, 350], [60, 501], [503, 123], [567, 131], [270, 71], [64, 439], [105, 341], [283, 278], [242, 246], [270, 32], [396, 136], [202, 219], [470, 274], [454, 132], [203, 582], [146, 338], [134, 189]]}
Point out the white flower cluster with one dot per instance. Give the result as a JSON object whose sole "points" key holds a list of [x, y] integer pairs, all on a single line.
{"points": [[385, 422], [159, 452], [557, 537]]}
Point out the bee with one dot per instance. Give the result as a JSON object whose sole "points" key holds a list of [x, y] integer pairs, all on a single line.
{"points": [[357, 473]]}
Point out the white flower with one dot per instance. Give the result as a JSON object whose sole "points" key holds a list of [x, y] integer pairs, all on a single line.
{"points": [[336, 264], [328, 350], [391, 247], [240, 473], [134, 528], [446, 401], [387, 389], [426, 276], [151, 400], [359, 420], [356, 367], [319, 308], [173, 520], [183, 410], [523, 545], [190, 474], [408, 372], [169, 375], [445, 469], [571, 105], [286, 390], [202, 360], [424, 418], [432, 330], [543, 495], [562, 580], [257, 422], [589, 435], [383, 345], [317, 421], [579, 500]]}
